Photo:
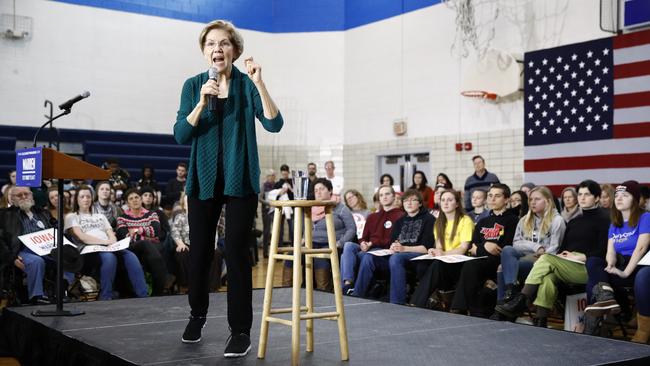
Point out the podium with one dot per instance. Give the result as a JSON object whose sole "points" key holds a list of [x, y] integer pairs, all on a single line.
{"points": [[33, 165]]}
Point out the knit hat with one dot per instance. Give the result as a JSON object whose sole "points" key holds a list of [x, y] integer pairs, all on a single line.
{"points": [[631, 187]]}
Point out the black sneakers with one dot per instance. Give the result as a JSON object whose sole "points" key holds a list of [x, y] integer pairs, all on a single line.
{"points": [[603, 300], [238, 345], [192, 332], [513, 308]]}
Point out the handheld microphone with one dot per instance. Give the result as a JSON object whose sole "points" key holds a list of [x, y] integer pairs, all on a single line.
{"points": [[213, 103], [67, 105]]}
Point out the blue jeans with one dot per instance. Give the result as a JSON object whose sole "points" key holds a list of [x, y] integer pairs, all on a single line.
{"points": [[639, 279], [514, 265], [350, 259], [35, 271], [394, 264], [642, 290], [109, 267]]}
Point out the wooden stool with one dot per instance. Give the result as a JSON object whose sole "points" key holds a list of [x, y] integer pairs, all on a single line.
{"points": [[298, 250]]}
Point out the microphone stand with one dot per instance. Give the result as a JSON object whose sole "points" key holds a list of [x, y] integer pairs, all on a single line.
{"points": [[50, 119], [59, 231]]}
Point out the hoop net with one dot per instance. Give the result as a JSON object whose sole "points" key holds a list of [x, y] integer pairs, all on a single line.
{"points": [[536, 22], [475, 21]]}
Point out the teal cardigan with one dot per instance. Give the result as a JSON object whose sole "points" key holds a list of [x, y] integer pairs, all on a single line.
{"points": [[241, 163]]}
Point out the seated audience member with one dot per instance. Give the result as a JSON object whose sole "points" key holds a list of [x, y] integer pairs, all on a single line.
{"points": [[453, 235], [607, 196], [491, 235], [119, 179], [519, 200], [53, 203], [71, 198], [148, 179], [420, 184], [435, 211], [11, 181], [540, 231], [570, 207], [443, 179], [644, 202], [345, 232], [20, 219], [150, 203], [358, 207], [585, 236], [376, 204], [376, 235], [93, 228], [398, 200], [6, 198], [143, 226], [181, 235], [104, 205], [479, 211], [527, 187], [176, 185], [412, 236], [629, 238], [386, 180]]}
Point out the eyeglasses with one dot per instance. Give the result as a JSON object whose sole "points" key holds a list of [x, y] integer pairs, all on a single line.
{"points": [[211, 45], [23, 194]]}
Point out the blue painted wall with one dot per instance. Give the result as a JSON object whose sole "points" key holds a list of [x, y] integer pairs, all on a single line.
{"points": [[272, 16]]}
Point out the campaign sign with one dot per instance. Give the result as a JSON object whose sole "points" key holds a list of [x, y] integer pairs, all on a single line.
{"points": [[42, 242], [117, 246], [28, 167]]}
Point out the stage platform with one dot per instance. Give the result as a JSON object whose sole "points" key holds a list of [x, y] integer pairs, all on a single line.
{"points": [[148, 331]]}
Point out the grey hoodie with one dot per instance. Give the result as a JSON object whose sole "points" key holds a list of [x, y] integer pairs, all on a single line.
{"points": [[530, 244]]}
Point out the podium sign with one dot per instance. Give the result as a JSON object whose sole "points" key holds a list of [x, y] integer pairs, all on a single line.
{"points": [[29, 163]]}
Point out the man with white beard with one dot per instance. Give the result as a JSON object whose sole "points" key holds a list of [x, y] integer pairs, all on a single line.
{"points": [[24, 218]]}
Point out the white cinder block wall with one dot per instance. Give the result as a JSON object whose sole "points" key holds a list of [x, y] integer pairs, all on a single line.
{"points": [[339, 91]]}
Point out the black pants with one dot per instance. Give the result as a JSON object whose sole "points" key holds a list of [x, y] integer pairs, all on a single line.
{"points": [[267, 219], [151, 257], [472, 278], [438, 276], [203, 216]]}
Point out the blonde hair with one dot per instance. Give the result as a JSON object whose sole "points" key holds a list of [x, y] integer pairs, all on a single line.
{"points": [[233, 35], [549, 212]]}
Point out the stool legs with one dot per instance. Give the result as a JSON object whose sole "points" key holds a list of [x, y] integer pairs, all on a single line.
{"points": [[297, 277], [268, 290], [309, 279], [296, 309], [336, 278]]}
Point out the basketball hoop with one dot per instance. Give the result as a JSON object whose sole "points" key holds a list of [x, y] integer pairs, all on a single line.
{"points": [[479, 94]]}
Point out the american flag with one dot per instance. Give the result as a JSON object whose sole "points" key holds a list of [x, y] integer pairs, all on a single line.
{"points": [[587, 112]]}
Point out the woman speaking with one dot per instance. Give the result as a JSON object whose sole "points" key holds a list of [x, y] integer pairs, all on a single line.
{"points": [[217, 115]]}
